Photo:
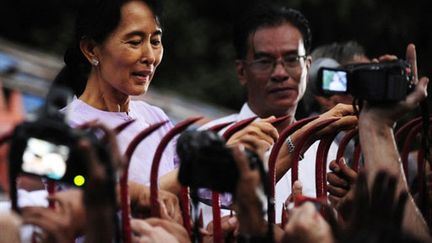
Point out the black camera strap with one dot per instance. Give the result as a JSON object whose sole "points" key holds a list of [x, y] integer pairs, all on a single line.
{"points": [[196, 235]]}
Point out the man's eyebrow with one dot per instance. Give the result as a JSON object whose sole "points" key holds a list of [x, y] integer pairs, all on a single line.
{"points": [[291, 52], [262, 54], [266, 54]]}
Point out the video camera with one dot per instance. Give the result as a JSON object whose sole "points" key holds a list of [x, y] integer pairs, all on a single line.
{"points": [[206, 162], [379, 82]]}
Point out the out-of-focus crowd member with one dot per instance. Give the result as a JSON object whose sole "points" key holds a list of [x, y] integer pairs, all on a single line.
{"points": [[331, 55], [92, 211], [377, 212], [10, 225], [11, 113], [334, 55]]}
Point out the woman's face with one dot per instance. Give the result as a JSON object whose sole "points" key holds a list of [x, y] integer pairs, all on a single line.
{"points": [[129, 56]]}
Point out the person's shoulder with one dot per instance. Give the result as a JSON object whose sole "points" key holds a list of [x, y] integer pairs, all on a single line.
{"points": [[77, 106], [150, 111], [78, 112], [225, 119]]}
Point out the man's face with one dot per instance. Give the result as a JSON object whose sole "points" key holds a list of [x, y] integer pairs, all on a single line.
{"points": [[275, 70]]}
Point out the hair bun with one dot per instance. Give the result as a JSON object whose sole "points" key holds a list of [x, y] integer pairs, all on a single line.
{"points": [[73, 56]]}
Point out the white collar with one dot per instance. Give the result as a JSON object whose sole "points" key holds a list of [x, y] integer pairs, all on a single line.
{"points": [[245, 112]]}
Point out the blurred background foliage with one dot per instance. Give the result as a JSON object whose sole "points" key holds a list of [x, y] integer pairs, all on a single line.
{"points": [[199, 58]]}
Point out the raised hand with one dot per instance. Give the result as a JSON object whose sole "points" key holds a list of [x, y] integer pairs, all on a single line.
{"points": [[340, 186]]}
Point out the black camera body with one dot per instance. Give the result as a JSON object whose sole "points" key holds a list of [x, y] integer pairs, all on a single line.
{"points": [[379, 82], [206, 162], [48, 147]]}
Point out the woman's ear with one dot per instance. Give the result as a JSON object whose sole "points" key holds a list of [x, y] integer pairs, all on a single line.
{"points": [[241, 72], [88, 48]]}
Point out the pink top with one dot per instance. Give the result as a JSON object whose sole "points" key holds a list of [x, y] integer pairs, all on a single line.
{"points": [[145, 115]]}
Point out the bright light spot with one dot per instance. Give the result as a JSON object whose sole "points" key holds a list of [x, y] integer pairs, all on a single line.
{"points": [[79, 180]]}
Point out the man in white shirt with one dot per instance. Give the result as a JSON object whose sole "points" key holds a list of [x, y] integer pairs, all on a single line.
{"points": [[273, 47]]}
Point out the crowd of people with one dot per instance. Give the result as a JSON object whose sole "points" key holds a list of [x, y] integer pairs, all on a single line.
{"points": [[116, 49]]}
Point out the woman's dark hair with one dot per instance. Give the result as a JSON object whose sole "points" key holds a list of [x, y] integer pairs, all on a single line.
{"points": [[265, 15], [96, 20]]}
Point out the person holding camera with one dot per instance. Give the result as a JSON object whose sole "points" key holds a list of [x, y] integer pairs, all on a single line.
{"points": [[376, 124], [329, 55], [92, 210], [376, 129], [315, 101]]}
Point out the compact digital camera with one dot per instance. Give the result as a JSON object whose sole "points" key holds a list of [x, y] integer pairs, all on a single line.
{"points": [[48, 147], [206, 162], [380, 82]]}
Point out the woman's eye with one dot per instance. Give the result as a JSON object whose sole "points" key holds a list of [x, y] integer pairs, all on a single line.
{"points": [[156, 42], [135, 42]]}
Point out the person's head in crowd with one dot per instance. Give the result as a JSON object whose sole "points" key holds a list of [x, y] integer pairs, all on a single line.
{"points": [[330, 55], [116, 49], [343, 52], [377, 211], [272, 47]]}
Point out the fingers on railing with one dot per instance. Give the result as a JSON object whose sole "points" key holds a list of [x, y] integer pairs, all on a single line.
{"points": [[185, 205], [178, 128], [343, 144], [322, 153], [321, 165], [274, 154], [124, 192], [302, 141], [216, 204]]}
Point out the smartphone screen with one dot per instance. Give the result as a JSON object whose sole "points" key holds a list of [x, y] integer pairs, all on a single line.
{"points": [[44, 158]]}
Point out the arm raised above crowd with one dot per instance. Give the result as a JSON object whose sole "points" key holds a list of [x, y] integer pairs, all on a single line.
{"points": [[376, 124]]}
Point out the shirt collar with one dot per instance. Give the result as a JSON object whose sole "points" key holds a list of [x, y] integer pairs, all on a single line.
{"points": [[245, 112]]}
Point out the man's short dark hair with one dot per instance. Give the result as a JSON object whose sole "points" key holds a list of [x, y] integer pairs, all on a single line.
{"points": [[268, 16]]}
